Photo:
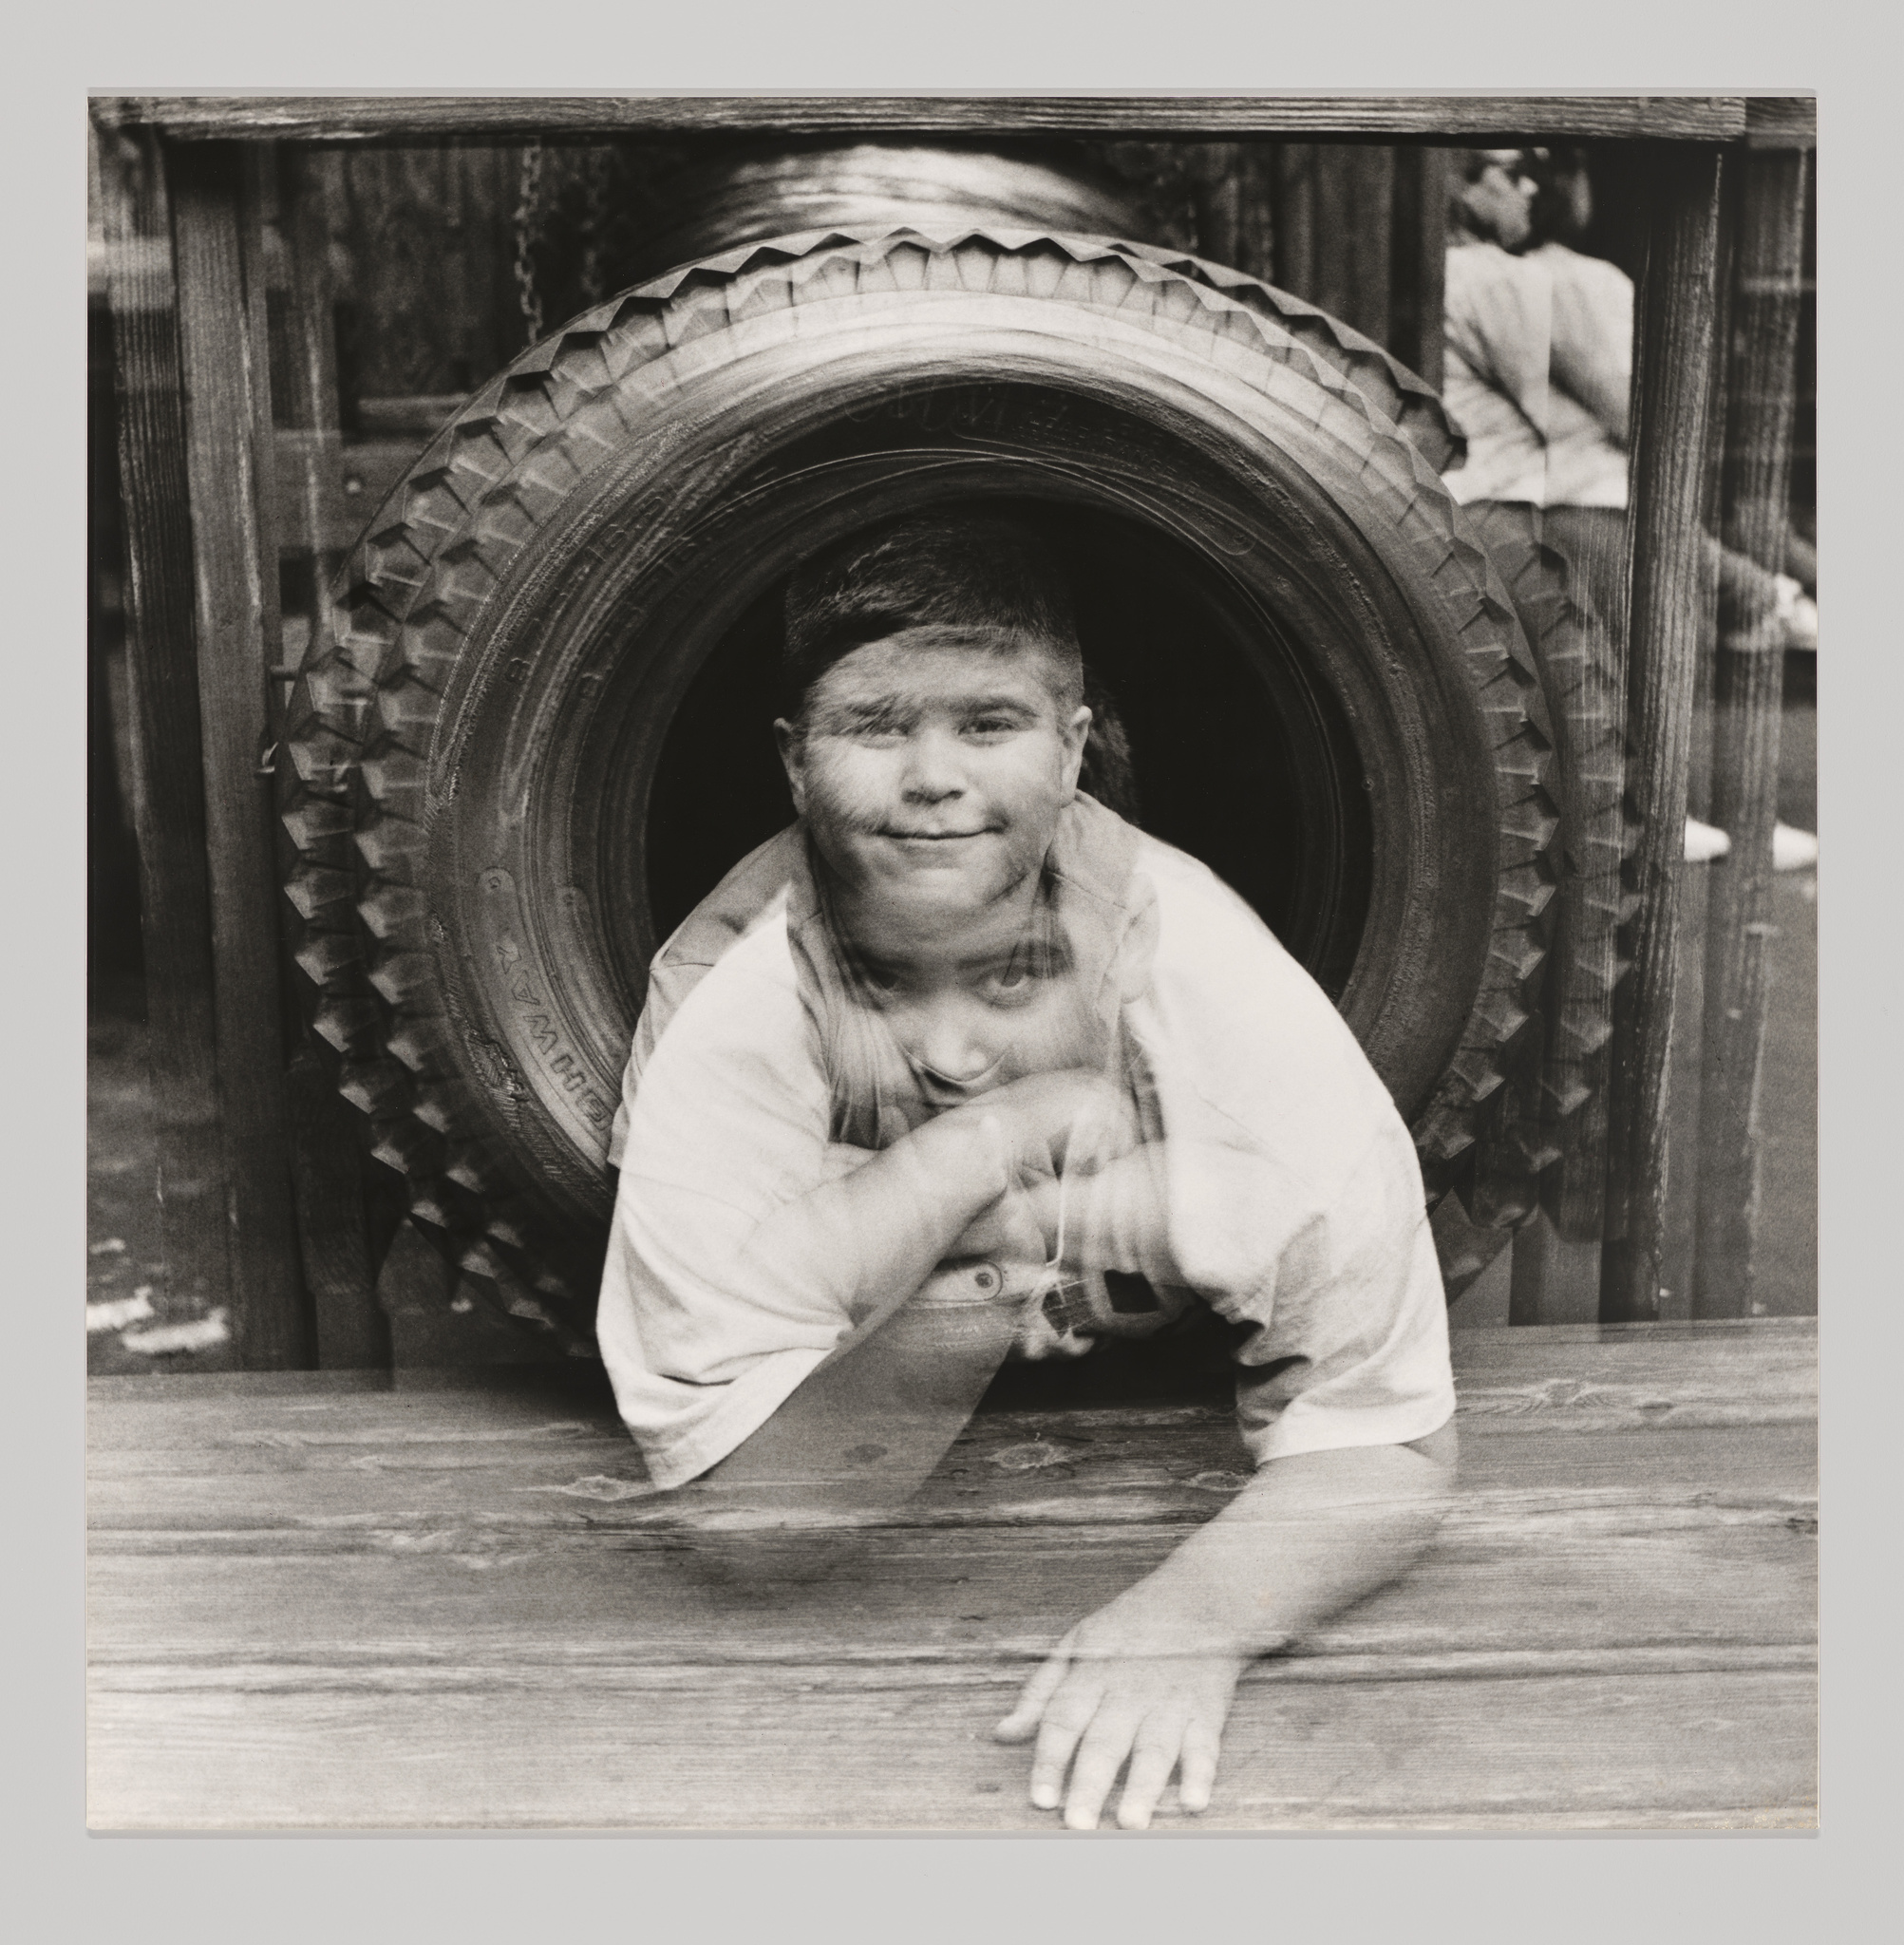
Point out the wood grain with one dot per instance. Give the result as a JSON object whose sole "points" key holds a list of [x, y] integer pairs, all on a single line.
{"points": [[226, 443], [1730, 1748], [1671, 374], [1747, 708], [371, 1599], [499, 117], [167, 793], [1782, 121]]}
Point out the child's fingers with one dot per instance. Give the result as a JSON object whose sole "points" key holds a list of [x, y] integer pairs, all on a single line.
{"points": [[1030, 1708], [1070, 1711], [1200, 1746], [1100, 1755], [1152, 1759]]}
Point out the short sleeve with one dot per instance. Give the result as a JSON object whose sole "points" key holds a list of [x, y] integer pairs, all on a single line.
{"points": [[1295, 1201], [726, 1123]]}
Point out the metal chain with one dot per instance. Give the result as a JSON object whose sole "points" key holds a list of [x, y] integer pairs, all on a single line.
{"points": [[528, 192], [594, 214]]}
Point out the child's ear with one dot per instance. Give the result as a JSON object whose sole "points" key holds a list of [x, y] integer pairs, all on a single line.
{"points": [[791, 743], [1074, 733]]}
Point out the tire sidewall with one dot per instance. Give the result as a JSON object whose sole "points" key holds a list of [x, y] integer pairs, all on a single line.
{"points": [[541, 1000]]}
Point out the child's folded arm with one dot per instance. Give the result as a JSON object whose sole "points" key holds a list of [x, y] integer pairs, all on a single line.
{"points": [[885, 1224]]}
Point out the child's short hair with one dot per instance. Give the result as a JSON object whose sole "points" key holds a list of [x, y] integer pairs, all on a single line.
{"points": [[957, 579]]}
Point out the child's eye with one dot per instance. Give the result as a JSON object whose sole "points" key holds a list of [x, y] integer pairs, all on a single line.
{"points": [[1012, 984]]}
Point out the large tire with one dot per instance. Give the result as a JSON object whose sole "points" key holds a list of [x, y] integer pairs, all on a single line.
{"points": [[478, 754], [743, 199]]}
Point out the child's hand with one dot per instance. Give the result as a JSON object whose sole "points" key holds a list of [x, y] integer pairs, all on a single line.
{"points": [[1132, 1680], [1074, 1120], [1010, 1234]]}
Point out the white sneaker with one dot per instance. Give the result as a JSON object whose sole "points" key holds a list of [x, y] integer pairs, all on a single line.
{"points": [[1703, 842], [1793, 850], [1798, 612]]}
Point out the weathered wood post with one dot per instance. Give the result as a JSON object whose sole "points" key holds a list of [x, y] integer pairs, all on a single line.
{"points": [[228, 457], [1761, 383], [1672, 383], [168, 796], [325, 1132]]}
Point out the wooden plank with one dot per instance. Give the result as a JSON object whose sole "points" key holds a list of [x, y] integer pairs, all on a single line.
{"points": [[1293, 215], [222, 304], [1418, 247], [1672, 366], [502, 118], [1762, 381], [168, 797], [562, 1476], [1683, 1589], [1758, 1350], [1782, 121], [1766, 1364], [1233, 201], [1643, 1751], [1354, 217]]}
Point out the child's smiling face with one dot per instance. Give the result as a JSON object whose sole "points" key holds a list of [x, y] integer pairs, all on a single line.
{"points": [[932, 780]]}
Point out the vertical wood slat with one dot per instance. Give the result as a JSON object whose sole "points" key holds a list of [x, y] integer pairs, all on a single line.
{"points": [[228, 462], [168, 796], [1292, 217], [1673, 369], [1332, 226], [1417, 249], [1234, 197], [1354, 222], [352, 1329], [1761, 388]]}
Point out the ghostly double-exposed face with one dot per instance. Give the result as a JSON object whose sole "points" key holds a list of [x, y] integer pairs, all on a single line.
{"points": [[1496, 197], [932, 780]]}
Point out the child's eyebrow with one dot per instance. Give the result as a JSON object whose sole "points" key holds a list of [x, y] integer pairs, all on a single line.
{"points": [[885, 712], [995, 705]]}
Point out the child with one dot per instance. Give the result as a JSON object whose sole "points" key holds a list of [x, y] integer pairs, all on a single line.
{"points": [[959, 1016]]}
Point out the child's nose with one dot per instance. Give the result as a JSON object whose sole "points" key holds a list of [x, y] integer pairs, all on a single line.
{"points": [[934, 767], [952, 1050]]}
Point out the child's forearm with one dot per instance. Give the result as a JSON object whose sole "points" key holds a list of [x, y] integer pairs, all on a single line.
{"points": [[1308, 1535], [888, 1224]]}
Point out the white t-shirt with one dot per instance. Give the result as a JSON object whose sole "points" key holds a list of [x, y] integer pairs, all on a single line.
{"points": [[1516, 327], [1295, 1198]]}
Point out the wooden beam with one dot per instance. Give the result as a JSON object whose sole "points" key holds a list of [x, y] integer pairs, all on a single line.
{"points": [[228, 455], [168, 796], [1782, 121], [505, 117], [1761, 394], [1671, 382]]}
